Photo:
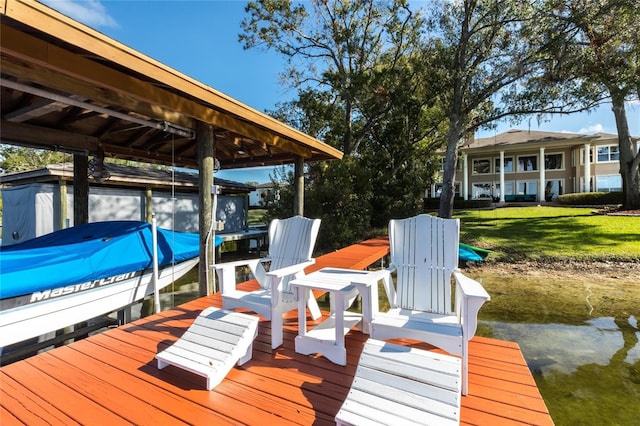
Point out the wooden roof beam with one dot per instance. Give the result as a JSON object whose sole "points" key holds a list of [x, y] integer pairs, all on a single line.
{"points": [[34, 110], [25, 134]]}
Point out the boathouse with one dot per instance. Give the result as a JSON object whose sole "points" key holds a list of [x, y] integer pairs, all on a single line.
{"points": [[38, 202]]}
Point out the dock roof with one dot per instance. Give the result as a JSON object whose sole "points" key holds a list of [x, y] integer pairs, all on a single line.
{"points": [[68, 87]]}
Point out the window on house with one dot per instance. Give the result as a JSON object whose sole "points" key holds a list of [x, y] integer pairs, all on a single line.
{"points": [[552, 189], [553, 162], [481, 190], [527, 163], [508, 165], [508, 188], [609, 183], [608, 153], [582, 156], [456, 187], [527, 187], [481, 167]]}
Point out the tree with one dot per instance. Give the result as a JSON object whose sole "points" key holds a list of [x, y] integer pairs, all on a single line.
{"points": [[333, 47], [356, 68], [593, 48], [15, 158], [483, 49], [20, 159], [405, 141]]}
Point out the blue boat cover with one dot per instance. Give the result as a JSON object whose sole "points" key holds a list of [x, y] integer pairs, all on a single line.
{"points": [[89, 252]]}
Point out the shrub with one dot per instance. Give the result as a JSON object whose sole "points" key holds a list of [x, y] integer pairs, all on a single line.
{"points": [[458, 203], [591, 198]]}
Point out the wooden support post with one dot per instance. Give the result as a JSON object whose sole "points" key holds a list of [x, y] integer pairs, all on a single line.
{"points": [[205, 141], [80, 189], [148, 202], [62, 207], [298, 182], [80, 203]]}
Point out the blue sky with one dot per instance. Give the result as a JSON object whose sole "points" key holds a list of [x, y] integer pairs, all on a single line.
{"points": [[200, 39]]}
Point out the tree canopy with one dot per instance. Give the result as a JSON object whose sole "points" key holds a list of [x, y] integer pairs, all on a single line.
{"points": [[395, 87], [333, 49], [592, 54], [19, 159]]}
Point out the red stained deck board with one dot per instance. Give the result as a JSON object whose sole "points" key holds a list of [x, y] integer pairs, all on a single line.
{"points": [[158, 405], [185, 389], [61, 396], [112, 378], [25, 407], [8, 418], [70, 367]]}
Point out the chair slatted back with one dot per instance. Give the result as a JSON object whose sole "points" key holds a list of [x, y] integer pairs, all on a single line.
{"points": [[291, 241], [424, 250]]}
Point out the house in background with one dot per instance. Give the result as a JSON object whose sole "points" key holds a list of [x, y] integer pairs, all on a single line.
{"points": [[263, 193], [522, 165], [40, 201]]}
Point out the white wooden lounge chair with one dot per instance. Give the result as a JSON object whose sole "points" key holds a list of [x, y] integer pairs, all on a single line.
{"points": [[291, 243], [399, 385], [424, 253], [213, 344]]}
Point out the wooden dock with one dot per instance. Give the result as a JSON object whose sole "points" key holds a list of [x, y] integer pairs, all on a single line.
{"points": [[111, 378]]}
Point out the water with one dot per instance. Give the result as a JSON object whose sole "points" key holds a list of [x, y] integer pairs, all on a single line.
{"points": [[580, 337]]}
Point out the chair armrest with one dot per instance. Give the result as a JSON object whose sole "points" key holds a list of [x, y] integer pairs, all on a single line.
{"points": [[470, 296], [470, 287], [227, 272], [246, 262], [290, 270]]}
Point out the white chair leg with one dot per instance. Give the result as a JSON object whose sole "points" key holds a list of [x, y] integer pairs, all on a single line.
{"points": [[276, 330], [465, 368], [247, 356]]}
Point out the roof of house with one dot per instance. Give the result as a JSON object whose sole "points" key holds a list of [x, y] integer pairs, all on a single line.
{"points": [[68, 87], [124, 176], [516, 138]]}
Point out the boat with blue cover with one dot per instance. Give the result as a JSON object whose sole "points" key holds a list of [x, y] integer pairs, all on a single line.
{"points": [[75, 274]]}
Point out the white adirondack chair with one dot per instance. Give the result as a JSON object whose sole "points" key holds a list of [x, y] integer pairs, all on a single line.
{"points": [[424, 254], [291, 243]]}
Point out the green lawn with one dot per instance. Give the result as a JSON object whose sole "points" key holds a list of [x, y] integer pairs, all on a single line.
{"points": [[535, 233]]}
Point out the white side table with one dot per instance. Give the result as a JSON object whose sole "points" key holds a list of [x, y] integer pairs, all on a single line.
{"points": [[327, 338]]}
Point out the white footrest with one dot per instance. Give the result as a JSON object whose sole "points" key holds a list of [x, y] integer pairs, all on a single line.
{"points": [[396, 384], [213, 344]]}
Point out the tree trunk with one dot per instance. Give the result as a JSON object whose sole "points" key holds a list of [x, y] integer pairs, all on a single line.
{"points": [[629, 157], [450, 164], [348, 122], [460, 85]]}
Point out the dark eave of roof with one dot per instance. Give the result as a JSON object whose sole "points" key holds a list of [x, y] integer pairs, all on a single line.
{"points": [[124, 176], [524, 139]]}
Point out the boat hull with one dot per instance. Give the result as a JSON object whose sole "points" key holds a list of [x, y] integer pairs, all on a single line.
{"points": [[46, 312]]}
